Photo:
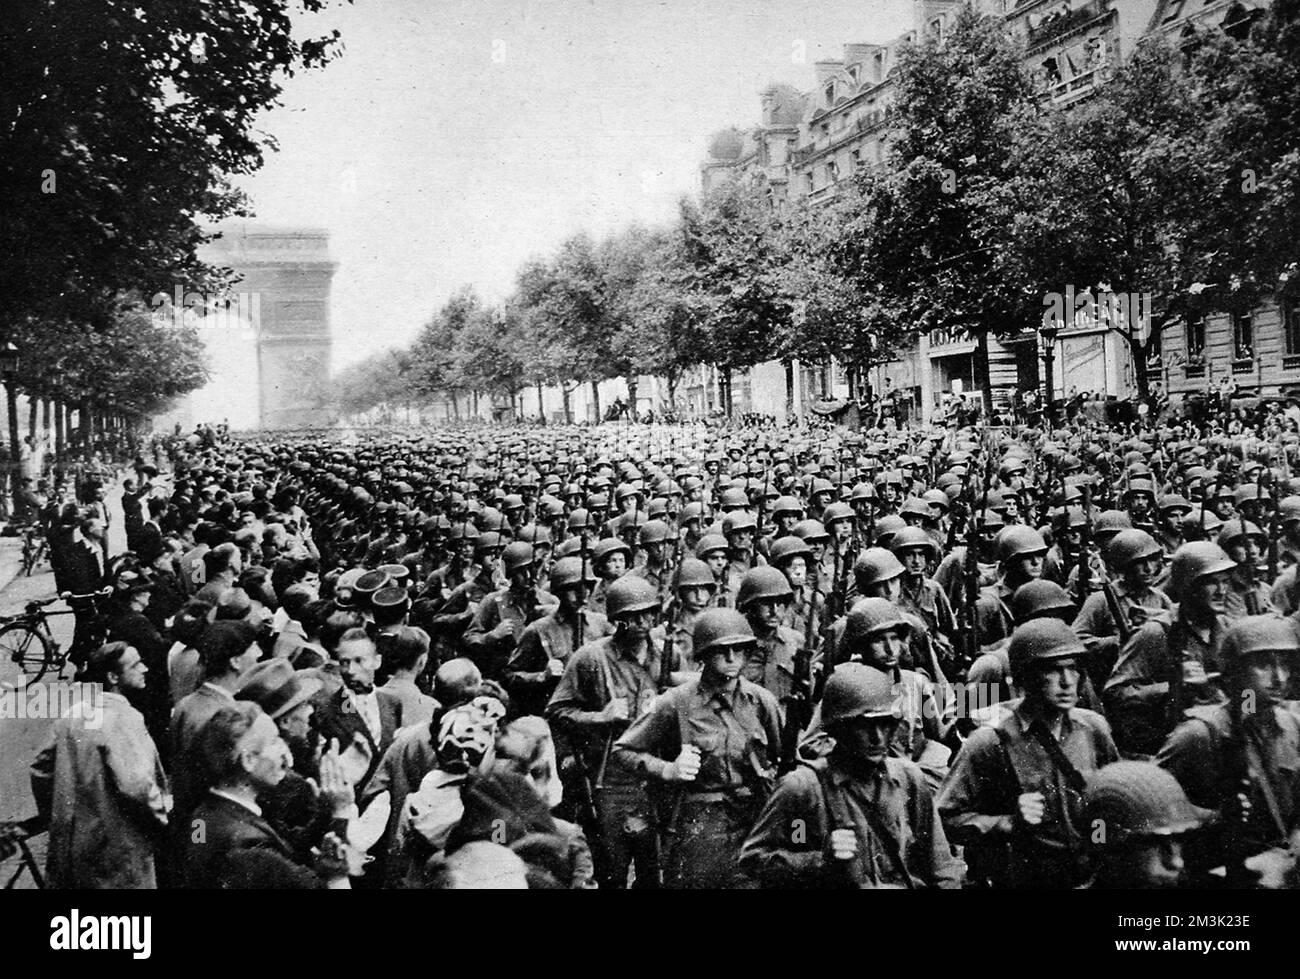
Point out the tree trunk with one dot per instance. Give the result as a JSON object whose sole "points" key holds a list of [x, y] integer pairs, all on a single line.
{"points": [[981, 364], [595, 400], [1138, 352], [789, 390], [541, 405], [565, 393], [672, 379], [45, 418], [60, 430], [631, 396], [455, 406], [725, 376], [15, 455], [31, 419]]}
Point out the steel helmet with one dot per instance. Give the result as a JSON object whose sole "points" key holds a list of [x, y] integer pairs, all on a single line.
{"points": [[871, 615], [914, 506], [1132, 800], [694, 573], [1130, 546], [786, 504], [1019, 541], [733, 496], [463, 531], [1038, 598], [491, 519], [913, 537], [488, 541], [874, 565], [886, 527], [654, 532], [568, 572], [760, 583], [1041, 640], [1194, 560], [709, 543], [786, 548], [691, 511], [857, 690], [1173, 501], [516, 556], [862, 492], [836, 511], [937, 497], [810, 531], [580, 519], [1197, 520], [738, 520], [720, 627], [1259, 634], [513, 501], [630, 594], [1234, 530], [1111, 522], [607, 546]]}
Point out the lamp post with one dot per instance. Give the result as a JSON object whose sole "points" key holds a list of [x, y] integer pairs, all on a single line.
{"points": [[1049, 332], [8, 371]]}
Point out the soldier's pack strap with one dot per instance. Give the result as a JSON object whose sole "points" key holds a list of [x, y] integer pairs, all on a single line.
{"points": [[841, 819], [1053, 748]]}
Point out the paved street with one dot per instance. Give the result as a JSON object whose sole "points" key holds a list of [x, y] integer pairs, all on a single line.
{"points": [[21, 738]]}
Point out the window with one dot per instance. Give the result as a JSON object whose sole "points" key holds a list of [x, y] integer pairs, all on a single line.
{"points": [[936, 26], [1196, 340], [855, 157], [830, 93], [853, 74], [832, 172], [1291, 324], [880, 66], [810, 184], [1243, 336], [825, 128]]}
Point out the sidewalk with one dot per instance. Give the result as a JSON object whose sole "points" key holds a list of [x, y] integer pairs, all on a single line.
{"points": [[11, 560]]}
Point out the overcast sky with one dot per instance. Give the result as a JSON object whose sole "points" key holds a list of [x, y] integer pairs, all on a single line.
{"points": [[454, 139]]}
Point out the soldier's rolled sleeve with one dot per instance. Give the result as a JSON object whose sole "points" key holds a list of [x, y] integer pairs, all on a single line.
{"points": [[965, 797], [579, 686], [527, 664], [485, 620], [654, 731], [1095, 626], [1132, 680], [787, 845]]}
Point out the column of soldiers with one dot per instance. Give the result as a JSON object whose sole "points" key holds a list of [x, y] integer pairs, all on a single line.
{"points": [[982, 658]]}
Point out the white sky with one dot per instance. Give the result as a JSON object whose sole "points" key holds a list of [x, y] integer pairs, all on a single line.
{"points": [[454, 139]]}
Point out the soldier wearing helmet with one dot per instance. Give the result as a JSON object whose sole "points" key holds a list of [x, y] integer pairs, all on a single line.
{"points": [[609, 559], [740, 527], [1168, 667], [1139, 561], [1245, 543], [652, 556], [1138, 820], [713, 743], [1169, 531], [1021, 551], [793, 558], [538, 661], [694, 588], [501, 617], [1239, 757], [607, 684], [450, 612], [1014, 795], [764, 598], [870, 816], [920, 595], [712, 550]]}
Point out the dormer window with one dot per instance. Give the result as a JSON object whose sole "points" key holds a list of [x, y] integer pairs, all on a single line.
{"points": [[880, 65], [853, 74], [830, 93]]}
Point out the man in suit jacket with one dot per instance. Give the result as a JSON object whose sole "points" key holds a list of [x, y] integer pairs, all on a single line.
{"points": [[82, 573], [227, 650], [231, 845], [359, 707]]}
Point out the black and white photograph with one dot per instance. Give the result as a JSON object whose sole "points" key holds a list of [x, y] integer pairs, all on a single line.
{"points": [[652, 445]]}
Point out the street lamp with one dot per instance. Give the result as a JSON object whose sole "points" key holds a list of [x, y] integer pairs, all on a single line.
{"points": [[8, 362], [1049, 331]]}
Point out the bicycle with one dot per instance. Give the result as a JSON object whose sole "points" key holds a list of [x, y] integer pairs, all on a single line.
{"points": [[13, 839], [35, 548], [25, 638]]}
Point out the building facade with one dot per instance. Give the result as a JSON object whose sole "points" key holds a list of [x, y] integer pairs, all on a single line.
{"points": [[1071, 49]]}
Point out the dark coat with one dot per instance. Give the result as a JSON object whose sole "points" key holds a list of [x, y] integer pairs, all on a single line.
{"points": [[229, 847]]}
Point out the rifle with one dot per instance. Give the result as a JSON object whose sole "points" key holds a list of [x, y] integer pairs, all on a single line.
{"points": [[798, 705], [1085, 546], [1274, 529]]}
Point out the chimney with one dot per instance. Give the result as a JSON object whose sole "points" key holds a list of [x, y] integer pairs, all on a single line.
{"points": [[826, 70]]}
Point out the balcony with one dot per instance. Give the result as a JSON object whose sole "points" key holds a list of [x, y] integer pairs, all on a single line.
{"points": [[1054, 26]]}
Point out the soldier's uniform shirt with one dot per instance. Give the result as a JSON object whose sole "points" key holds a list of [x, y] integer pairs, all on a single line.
{"points": [[1237, 604], [1138, 693], [993, 616], [1207, 754], [796, 614], [503, 606], [739, 737], [927, 601], [527, 679], [595, 675], [951, 569], [771, 665], [979, 799], [1097, 628], [683, 626], [902, 804], [658, 578]]}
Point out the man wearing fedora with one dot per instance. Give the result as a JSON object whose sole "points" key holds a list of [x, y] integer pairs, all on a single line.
{"points": [[315, 796]]}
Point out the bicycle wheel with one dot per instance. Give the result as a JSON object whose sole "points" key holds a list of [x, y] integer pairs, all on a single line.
{"points": [[24, 646]]}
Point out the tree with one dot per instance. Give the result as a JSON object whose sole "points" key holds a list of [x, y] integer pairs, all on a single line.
{"points": [[119, 130], [923, 242]]}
